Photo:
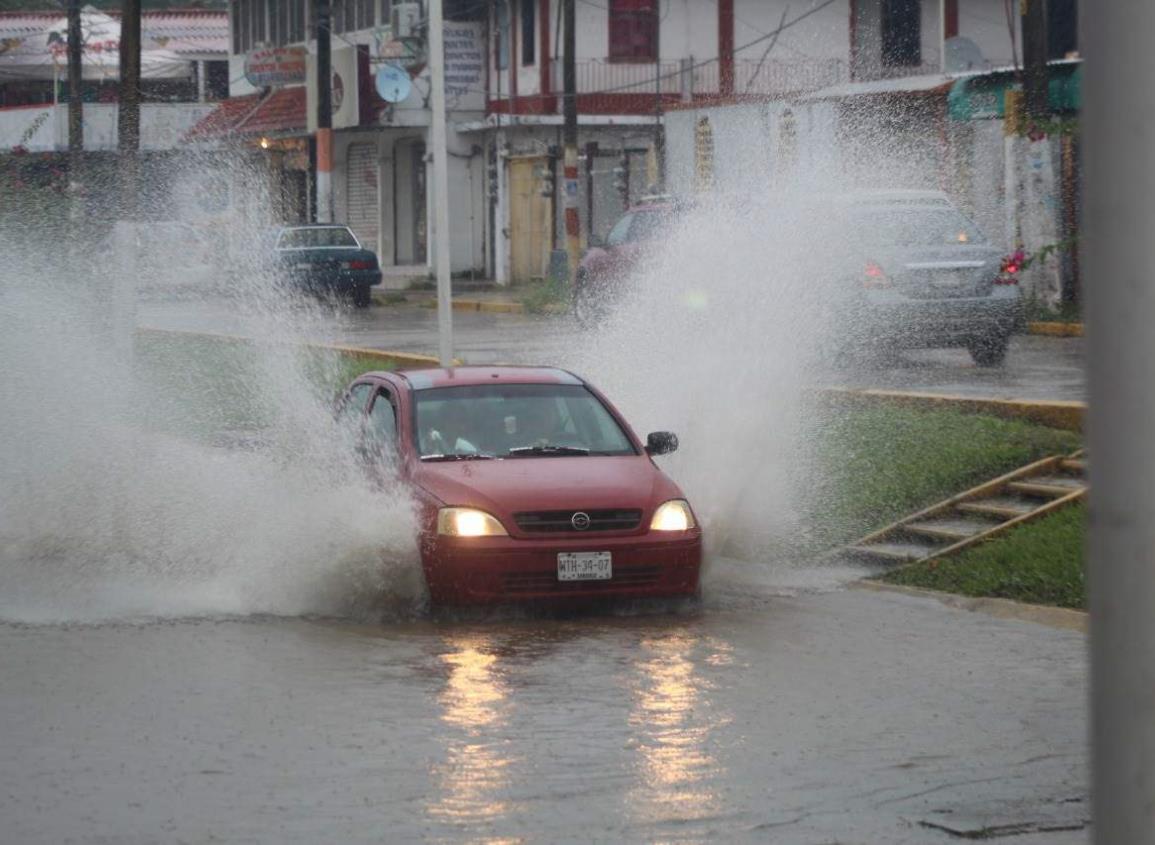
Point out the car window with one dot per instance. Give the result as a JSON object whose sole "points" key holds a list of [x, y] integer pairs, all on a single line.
{"points": [[617, 235], [917, 227], [310, 237], [648, 224], [354, 402], [382, 420], [495, 419]]}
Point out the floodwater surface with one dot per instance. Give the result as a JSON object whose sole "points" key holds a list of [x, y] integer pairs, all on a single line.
{"points": [[842, 716]]}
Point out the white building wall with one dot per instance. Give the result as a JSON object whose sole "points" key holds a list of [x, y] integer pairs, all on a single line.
{"points": [[45, 129]]}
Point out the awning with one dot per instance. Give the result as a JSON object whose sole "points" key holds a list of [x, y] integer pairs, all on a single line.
{"points": [[280, 113], [902, 85], [982, 97]]}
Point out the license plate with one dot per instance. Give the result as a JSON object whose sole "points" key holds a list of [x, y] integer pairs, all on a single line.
{"points": [[302, 265], [946, 280], [584, 566]]}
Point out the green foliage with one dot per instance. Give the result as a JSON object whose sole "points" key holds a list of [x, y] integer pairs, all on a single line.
{"points": [[1040, 562], [548, 297]]}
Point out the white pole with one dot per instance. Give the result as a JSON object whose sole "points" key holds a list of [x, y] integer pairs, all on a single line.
{"points": [[1118, 122], [440, 185]]}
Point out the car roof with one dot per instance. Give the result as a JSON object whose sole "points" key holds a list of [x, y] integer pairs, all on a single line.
{"points": [[465, 376]]}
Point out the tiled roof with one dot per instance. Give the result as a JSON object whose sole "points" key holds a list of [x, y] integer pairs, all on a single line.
{"points": [[224, 118], [280, 112]]}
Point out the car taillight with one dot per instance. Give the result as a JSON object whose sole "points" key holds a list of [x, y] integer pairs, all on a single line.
{"points": [[358, 265], [874, 277], [1009, 271]]}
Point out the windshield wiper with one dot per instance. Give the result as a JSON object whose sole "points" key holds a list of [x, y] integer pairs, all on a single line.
{"points": [[549, 450], [473, 456]]}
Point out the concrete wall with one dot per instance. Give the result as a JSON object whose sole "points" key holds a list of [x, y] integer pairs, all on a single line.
{"points": [[45, 128]]}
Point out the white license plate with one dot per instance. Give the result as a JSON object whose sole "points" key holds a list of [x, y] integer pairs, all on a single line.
{"points": [[302, 265], [946, 280], [584, 566]]}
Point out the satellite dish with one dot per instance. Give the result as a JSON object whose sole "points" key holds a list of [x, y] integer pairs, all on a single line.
{"points": [[962, 54], [393, 83]]}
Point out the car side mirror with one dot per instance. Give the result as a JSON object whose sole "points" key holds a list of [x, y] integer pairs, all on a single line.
{"points": [[661, 443]]}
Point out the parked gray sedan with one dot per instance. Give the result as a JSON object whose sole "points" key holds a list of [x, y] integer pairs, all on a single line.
{"points": [[928, 277]]}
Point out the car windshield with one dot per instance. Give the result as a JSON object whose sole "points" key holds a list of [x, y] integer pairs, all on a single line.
{"points": [[309, 237], [515, 421], [916, 227], [639, 226]]}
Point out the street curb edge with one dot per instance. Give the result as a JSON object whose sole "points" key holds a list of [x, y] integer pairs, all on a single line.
{"points": [[1056, 329], [1041, 614]]}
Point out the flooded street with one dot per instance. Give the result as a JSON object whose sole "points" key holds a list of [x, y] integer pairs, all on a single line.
{"points": [[838, 716]]}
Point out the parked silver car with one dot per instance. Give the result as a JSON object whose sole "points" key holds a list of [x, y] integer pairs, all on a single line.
{"points": [[928, 277]]}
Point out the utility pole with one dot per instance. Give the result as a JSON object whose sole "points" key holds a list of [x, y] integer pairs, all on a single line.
{"points": [[1118, 122], [128, 118], [1034, 25], [323, 24], [75, 119], [570, 139], [436, 40]]}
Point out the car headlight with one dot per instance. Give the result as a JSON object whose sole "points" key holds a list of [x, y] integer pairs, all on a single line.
{"points": [[674, 515], [468, 522]]}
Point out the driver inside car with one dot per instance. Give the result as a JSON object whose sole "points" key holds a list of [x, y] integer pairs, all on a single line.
{"points": [[452, 432], [540, 424]]}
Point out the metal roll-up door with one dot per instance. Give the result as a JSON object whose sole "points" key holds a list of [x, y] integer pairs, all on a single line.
{"points": [[361, 193]]}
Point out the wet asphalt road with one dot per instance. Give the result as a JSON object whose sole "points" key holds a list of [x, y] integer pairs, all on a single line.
{"points": [[837, 716], [1036, 367]]}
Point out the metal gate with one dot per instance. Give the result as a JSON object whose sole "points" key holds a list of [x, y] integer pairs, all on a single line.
{"points": [[362, 212]]}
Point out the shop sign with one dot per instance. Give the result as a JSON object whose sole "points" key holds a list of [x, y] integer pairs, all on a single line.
{"points": [[273, 66]]}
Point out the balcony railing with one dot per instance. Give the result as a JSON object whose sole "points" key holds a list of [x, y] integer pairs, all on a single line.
{"points": [[601, 77], [687, 79]]}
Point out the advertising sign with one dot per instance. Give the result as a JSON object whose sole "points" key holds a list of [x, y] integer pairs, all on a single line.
{"points": [[273, 66], [464, 66]]}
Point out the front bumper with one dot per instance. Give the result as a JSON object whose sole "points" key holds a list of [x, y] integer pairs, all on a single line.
{"points": [[505, 570]]}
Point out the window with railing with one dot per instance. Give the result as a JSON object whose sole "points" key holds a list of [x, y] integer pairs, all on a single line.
{"points": [[633, 30]]}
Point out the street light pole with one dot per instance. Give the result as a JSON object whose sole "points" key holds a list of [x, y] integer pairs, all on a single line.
{"points": [[440, 184], [1118, 122]]}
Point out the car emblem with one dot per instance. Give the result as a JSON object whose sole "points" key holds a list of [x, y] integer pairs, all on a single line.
{"points": [[580, 521]]}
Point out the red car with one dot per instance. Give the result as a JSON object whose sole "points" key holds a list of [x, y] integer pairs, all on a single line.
{"points": [[530, 486], [605, 265]]}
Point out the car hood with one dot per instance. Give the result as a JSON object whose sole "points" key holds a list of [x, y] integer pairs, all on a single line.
{"points": [[507, 486]]}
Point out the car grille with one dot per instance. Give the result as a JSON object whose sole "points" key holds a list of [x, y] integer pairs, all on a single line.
{"points": [[546, 582], [560, 522]]}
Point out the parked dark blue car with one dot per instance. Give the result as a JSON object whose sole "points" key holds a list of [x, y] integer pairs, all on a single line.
{"points": [[326, 259]]}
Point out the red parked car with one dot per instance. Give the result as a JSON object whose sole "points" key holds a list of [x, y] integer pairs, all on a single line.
{"points": [[530, 486], [605, 265]]}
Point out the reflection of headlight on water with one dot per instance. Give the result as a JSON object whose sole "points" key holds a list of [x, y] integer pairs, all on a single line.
{"points": [[696, 300]]}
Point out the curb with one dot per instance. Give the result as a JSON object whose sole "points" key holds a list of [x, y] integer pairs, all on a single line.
{"points": [[1056, 329], [1041, 614], [1054, 414], [488, 307], [396, 359]]}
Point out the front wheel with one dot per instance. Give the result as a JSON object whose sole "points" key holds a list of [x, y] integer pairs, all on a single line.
{"points": [[362, 297], [990, 351]]}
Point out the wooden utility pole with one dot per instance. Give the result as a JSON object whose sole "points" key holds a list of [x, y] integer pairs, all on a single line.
{"points": [[323, 23], [1034, 25], [128, 142], [570, 139]]}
